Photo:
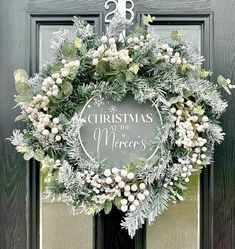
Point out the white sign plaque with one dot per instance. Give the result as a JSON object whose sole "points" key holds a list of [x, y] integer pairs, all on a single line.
{"points": [[120, 132]]}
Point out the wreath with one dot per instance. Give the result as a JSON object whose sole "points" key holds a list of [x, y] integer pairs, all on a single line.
{"points": [[86, 66]]}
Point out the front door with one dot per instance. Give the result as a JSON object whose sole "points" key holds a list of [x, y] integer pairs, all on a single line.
{"points": [[204, 221]]}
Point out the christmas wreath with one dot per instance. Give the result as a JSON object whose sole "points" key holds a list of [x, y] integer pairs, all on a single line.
{"points": [[86, 66]]}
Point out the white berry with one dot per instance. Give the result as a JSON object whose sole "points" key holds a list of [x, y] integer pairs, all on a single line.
{"points": [[127, 188], [178, 112], [124, 172], [64, 73], [54, 130], [115, 171], [142, 186], [57, 138], [124, 201], [164, 46], [204, 149], [95, 62], [111, 41], [173, 110], [136, 203], [108, 180], [186, 179], [107, 172], [129, 40], [131, 198], [56, 120], [45, 132], [130, 175], [104, 39], [121, 184], [124, 208], [205, 119], [118, 178], [134, 187], [140, 196], [132, 208], [146, 192], [77, 63]]}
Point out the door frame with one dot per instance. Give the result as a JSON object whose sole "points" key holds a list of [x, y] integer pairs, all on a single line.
{"points": [[205, 19]]}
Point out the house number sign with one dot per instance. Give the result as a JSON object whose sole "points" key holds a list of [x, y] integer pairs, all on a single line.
{"points": [[121, 7]]}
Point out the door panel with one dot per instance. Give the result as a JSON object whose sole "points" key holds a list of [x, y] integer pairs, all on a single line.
{"points": [[19, 198], [45, 34], [182, 220], [179, 226], [59, 229]]}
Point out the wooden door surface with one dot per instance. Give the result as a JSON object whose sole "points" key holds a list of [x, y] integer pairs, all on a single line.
{"points": [[20, 23]]}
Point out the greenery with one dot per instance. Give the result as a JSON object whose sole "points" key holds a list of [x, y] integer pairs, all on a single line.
{"points": [[112, 66]]}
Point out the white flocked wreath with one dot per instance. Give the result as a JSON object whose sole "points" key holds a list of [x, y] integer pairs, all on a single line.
{"points": [[85, 65]]}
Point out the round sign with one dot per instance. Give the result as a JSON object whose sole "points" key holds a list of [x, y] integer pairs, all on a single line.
{"points": [[119, 132]]}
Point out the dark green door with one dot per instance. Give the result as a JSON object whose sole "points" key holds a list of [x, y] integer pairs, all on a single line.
{"points": [[206, 221]]}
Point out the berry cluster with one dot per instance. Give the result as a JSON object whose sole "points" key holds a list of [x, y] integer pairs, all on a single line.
{"points": [[167, 55], [50, 85], [37, 110], [117, 183], [108, 51], [43, 122], [138, 42], [190, 123]]}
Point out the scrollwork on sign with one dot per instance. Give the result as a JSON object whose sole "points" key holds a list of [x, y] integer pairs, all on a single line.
{"points": [[121, 7]]}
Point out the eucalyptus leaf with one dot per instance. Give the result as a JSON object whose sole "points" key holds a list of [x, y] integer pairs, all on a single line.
{"points": [[148, 19], [21, 117], [59, 95], [221, 80], [134, 68], [119, 65], [121, 76], [107, 207], [102, 67], [57, 67], [83, 49], [28, 135], [69, 50], [176, 35], [138, 30], [20, 75], [22, 149], [39, 155], [28, 155], [223, 83], [23, 98], [21, 87], [54, 99], [203, 73], [129, 76], [78, 42], [227, 90], [66, 88], [63, 119], [175, 99], [117, 202]]}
